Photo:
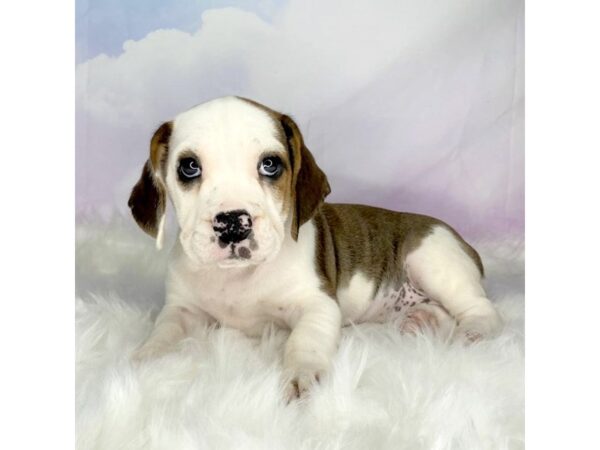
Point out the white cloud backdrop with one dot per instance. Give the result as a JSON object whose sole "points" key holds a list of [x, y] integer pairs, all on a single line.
{"points": [[408, 105]]}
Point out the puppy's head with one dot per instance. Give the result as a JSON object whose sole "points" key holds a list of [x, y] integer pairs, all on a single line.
{"points": [[240, 179]]}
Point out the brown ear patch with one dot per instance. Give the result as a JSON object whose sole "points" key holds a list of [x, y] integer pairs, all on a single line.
{"points": [[310, 185], [147, 201], [148, 197], [159, 147]]}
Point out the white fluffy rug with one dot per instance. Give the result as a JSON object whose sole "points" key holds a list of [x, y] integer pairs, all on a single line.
{"points": [[222, 390]]}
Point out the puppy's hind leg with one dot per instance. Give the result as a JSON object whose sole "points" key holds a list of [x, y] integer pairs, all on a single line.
{"points": [[443, 268]]}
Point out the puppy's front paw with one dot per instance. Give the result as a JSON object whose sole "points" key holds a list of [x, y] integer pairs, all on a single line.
{"points": [[300, 383]]}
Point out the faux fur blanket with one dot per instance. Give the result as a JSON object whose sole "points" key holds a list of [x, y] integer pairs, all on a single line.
{"points": [[222, 390]]}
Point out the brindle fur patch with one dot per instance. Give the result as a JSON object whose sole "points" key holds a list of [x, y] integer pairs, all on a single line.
{"points": [[371, 240]]}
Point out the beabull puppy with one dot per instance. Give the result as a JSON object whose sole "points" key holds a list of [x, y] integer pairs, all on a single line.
{"points": [[258, 245]]}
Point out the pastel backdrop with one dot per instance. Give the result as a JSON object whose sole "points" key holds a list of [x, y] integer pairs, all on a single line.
{"points": [[414, 106]]}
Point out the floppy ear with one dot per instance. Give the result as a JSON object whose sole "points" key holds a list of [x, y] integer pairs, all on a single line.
{"points": [[309, 183], [148, 197]]}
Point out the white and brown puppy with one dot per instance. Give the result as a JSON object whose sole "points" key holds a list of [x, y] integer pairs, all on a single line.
{"points": [[257, 244]]}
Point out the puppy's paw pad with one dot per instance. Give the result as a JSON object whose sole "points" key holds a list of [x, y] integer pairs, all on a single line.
{"points": [[469, 336], [300, 384], [471, 333], [476, 329]]}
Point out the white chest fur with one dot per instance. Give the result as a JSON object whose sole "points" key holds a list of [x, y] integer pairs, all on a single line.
{"points": [[239, 299], [252, 297]]}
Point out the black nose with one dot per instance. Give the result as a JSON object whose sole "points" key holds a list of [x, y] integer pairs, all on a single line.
{"points": [[232, 226]]}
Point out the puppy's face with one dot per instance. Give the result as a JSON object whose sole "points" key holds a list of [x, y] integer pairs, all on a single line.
{"points": [[229, 177], [239, 177]]}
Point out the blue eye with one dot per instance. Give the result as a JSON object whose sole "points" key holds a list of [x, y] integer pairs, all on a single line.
{"points": [[189, 168], [270, 166]]}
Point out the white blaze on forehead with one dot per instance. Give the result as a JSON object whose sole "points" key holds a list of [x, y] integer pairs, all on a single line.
{"points": [[225, 125]]}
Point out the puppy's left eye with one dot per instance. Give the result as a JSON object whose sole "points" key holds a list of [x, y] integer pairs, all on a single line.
{"points": [[270, 166]]}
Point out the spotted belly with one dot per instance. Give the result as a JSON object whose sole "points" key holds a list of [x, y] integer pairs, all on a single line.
{"points": [[393, 302]]}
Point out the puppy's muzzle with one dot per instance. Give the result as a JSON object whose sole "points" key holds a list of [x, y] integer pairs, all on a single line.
{"points": [[232, 226]]}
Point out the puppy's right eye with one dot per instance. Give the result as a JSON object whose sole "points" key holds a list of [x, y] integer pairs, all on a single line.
{"points": [[189, 168]]}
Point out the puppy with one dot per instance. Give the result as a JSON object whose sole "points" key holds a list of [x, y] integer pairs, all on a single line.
{"points": [[258, 245]]}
